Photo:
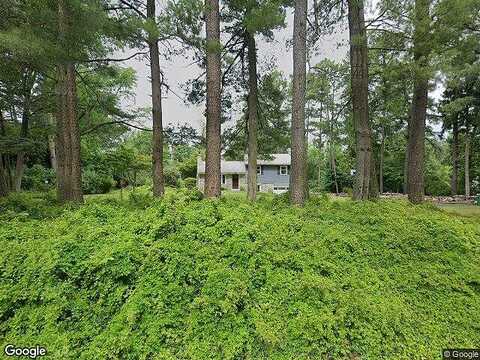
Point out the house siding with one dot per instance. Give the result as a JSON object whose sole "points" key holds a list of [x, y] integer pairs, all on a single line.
{"points": [[242, 182], [270, 175], [268, 179]]}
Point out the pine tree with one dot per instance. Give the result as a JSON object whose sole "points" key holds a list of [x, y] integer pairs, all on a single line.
{"points": [[298, 174], [365, 187], [213, 64]]}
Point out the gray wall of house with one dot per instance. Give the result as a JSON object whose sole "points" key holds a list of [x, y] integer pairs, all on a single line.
{"points": [[270, 175], [242, 182]]}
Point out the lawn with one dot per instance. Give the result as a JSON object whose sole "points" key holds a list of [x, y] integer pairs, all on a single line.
{"points": [[462, 209], [184, 278]]}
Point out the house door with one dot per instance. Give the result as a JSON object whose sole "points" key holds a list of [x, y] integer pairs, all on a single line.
{"points": [[235, 181]]}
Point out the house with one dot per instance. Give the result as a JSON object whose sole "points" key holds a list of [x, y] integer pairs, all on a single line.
{"points": [[272, 175]]}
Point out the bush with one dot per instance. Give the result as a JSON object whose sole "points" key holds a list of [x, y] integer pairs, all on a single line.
{"points": [[227, 279], [94, 182], [38, 178], [171, 176], [190, 183], [140, 199], [29, 205]]}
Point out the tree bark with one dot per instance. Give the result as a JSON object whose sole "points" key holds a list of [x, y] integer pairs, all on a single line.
{"points": [[213, 64], [63, 179], [382, 156], [69, 171], [73, 128], [51, 147], [455, 162], [298, 175], [157, 137], [4, 186], [4, 190], [405, 168], [20, 163], [252, 117], [416, 138], [333, 161], [359, 87], [373, 193], [467, 163]]}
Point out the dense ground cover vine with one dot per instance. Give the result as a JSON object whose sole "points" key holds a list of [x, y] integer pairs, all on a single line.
{"points": [[184, 278]]}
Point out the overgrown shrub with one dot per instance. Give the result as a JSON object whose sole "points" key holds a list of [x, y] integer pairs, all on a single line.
{"points": [[140, 199], [94, 182], [227, 279], [29, 205], [38, 178], [171, 176], [190, 183]]}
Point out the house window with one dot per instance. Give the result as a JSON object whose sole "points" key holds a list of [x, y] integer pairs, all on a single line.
{"points": [[259, 188], [280, 188], [259, 170], [224, 179], [283, 170]]}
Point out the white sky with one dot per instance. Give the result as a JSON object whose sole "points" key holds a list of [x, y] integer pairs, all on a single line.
{"points": [[179, 69]]}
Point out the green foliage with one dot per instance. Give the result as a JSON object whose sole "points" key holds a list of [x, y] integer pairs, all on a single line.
{"points": [[24, 206], [94, 182], [274, 127], [227, 279], [171, 176], [140, 199], [38, 178], [190, 183]]}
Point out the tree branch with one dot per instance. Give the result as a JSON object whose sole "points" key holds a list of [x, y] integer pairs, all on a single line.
{"points": [[113, 123], [114, 60], [131, 7]]}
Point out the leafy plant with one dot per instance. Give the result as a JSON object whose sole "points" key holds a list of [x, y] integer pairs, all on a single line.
{"points": [[182, 278]]}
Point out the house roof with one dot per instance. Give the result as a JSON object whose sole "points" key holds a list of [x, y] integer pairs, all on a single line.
{"points": [[238, 167], [226, 167], [276, 159]]}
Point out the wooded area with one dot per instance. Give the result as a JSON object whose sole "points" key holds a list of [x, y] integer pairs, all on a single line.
{"points": [[405, 115]]}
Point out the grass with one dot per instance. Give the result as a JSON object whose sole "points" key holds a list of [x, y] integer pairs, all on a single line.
{"points": [[183, 278], [467, 210]]}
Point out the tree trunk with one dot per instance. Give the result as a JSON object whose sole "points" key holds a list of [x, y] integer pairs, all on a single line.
{"points": [[20, 163], [4, 186], [298, 175], [157, 137], [319, 172], [467, 163], [69, 173], [359, 85], [373, 193], [454, 180], [416, 153], [3, 179], [405, 170], [63, 179], [213, 63], [51, 147], [252, 117], [416, 138], [334, 168], [75, 146], [382, 160]]}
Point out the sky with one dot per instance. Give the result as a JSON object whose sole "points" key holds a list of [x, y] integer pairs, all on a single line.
{"points": [[179, 69]]}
